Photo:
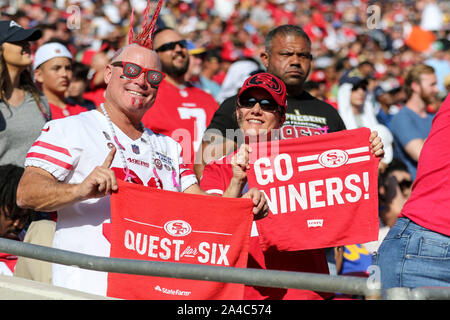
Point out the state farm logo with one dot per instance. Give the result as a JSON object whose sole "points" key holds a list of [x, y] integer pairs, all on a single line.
{"points": [[174, 292], [333, 158], [178, 228]]}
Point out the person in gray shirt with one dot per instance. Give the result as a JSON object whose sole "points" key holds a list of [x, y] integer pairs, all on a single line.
{"points": [[23, 109]]}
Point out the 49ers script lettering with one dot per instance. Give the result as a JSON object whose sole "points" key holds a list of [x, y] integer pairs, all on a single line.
{"points": [[290, 195]]}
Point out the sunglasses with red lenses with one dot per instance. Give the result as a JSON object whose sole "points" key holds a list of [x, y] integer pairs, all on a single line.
{"points": [[133, 71]]}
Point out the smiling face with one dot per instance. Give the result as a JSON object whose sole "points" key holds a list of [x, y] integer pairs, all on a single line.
{"points": [[254, 121], [132, 95], [175, 62]]}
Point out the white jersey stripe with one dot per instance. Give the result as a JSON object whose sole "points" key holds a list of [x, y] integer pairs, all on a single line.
{"points": [[308, 158]]}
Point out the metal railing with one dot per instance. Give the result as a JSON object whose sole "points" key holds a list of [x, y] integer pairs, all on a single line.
{"points": [[421, 293], [254, 277]]}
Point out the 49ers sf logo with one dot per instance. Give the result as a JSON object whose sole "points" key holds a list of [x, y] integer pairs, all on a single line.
{"points": [[178, 228], [333, 158]]}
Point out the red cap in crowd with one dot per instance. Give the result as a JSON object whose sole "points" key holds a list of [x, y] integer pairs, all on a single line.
{"points": [[273, 85]]}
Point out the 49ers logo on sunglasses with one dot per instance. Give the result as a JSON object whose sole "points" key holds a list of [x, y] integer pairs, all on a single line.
{"points": [[156, 77], [133, 71]]}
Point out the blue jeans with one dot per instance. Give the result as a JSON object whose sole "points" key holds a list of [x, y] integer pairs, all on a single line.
{"points": [[412, 256]]}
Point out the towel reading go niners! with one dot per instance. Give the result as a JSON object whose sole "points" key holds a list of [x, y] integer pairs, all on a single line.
{"points": [[322, 190], [166, 226]]}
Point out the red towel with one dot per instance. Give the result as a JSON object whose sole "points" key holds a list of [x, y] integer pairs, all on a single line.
{"points": [[322, 191], [158, 225]]}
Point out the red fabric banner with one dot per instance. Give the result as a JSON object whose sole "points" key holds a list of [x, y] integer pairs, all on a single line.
{"points": [[322, 190], [159, 225]]}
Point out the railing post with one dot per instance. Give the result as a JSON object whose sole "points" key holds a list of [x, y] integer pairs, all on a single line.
{"points": [[398, 293]]}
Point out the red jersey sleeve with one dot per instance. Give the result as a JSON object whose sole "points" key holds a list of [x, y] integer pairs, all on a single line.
{"points": [[216, 177]]}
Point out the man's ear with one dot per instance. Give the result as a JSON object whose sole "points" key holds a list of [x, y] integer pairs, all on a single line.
{"points": [[38, 75], [108, 74], [415, 86], [264, 56]]}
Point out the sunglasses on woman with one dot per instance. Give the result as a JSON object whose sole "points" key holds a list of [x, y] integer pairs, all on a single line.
{"points": [[267, 105], [172, 45], [133, 71]]}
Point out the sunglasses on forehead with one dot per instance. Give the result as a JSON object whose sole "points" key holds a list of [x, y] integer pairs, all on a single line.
{"points": [[265, 104], [133, 71], [172, 45]]}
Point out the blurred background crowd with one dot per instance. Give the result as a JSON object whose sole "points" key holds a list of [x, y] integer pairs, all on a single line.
{"points": [[391, 35]]}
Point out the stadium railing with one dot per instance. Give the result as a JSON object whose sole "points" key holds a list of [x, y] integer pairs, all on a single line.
{"points": [[369, 288]]}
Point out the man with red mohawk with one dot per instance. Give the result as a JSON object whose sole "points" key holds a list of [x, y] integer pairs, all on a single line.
{"points": [[74, 174]]}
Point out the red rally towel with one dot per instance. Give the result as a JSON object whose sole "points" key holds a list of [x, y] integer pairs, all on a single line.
{"points": [[159, 225], [322, 191]]}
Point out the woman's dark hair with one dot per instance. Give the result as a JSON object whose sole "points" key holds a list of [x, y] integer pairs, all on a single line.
{"points": [[9, 180], [25, 82], [79, 71]]}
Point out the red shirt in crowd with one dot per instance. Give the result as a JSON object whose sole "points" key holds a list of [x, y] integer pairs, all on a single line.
{"points": [[182, 114], [429, 204], [70, 110]]}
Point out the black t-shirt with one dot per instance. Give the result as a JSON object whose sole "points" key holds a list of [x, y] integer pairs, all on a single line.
{"points": [[305, 116]]}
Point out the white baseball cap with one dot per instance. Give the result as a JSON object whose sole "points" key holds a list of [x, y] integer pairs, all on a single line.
{"points": [[49, 51]]}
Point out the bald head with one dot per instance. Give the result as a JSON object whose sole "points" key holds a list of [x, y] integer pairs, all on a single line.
{"points": [[132, 50]]}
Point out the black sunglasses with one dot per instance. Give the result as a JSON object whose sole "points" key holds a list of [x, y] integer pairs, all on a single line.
{"points": [[133, 71], [265, 104], [172, 45]]}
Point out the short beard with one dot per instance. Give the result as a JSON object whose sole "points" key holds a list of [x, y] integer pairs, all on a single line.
{"points": [[176, 72], [428, 99]]}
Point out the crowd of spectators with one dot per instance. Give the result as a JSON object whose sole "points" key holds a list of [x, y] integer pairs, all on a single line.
{"points": [[375, 41], [391, 35]]}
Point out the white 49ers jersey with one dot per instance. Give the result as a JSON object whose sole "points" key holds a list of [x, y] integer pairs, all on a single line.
{"points": [[69, 149]]}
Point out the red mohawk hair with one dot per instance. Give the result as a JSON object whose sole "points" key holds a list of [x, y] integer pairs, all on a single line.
{"points": [[145, 37]]}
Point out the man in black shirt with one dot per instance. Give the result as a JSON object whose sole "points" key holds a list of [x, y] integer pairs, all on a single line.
{"points": [[288, 56]]}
